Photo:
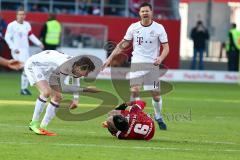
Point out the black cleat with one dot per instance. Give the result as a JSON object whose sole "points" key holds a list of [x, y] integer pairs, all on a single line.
{"points": [[161, 124], [25, 92]]}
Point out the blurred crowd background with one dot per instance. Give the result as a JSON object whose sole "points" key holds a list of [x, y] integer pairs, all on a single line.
{"points": [[182, 19]]}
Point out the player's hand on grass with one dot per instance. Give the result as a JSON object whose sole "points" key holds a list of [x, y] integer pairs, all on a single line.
{"points": [[14, 64], [73, 104], [104, 124], [91, 89]]}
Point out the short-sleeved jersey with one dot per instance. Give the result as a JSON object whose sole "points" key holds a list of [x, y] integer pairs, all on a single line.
{"points": [[141, 125], [146, 41]]}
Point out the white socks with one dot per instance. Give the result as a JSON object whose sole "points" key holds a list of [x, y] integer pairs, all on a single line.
{"points": [[24, 81], [157, 108], [50, 113], [39, 106]]}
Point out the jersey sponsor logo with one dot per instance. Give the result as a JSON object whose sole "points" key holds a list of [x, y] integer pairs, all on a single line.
{"points": [[140, 40]]}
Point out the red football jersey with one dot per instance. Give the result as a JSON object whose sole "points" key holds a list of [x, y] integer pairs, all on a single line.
{"points": [[141, 125]]}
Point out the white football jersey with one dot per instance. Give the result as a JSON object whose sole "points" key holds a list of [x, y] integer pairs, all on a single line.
{"points": [[48, 61], [50, 65], [17, 35], [146, 41]]}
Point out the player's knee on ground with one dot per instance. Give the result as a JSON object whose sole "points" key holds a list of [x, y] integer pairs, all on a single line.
{"points": [[155, 95]]}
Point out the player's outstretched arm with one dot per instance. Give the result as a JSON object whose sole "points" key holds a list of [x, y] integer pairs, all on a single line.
{"points": [[91, 89], [12, 64], [118, 49], [65, 88], [3, 62], [75, 100], [36, 41]]}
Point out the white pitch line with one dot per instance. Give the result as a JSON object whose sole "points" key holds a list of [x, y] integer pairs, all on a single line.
{"points": [[22, 102], [121, 147]]}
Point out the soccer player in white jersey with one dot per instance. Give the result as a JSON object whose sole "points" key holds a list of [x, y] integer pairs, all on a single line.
{"points": [[146, 36], [17, 34], [47, 71]]}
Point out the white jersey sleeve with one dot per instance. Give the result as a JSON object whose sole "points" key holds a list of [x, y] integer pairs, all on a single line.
{"points": [[129, 33], [163, 35], [9, 37], [32, 37]]}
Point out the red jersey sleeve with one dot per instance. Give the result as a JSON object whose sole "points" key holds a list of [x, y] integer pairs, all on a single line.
{"points": [[30, 33], [137, 106]]}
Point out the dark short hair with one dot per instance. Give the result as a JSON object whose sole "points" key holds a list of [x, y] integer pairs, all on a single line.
{"points": [[234, 25], [199, 22], [120, 122], [85, 63], [145, 4], [20, 9], [51, 16]]}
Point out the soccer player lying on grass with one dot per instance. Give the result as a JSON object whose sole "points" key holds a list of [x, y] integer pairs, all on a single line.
{"points": [[47, 71], [130, 124]]}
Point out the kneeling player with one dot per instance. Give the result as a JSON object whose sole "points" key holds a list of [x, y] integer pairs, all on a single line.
{"points": [[132, 123]]}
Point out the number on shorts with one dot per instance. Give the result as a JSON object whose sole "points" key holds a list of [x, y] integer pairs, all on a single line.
{"points": [[141, 129]]}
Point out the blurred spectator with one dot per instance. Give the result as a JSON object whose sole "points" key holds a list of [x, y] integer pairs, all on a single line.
{"points": [[199, 35], [51, 33], [3, 26], [96, 10], [35, 8], [233, 48], [134, 7], [113, 7]]}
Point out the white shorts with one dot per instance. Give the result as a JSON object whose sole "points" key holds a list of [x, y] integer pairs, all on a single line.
{"points": [[146, 75], [22, 56], [34, 73]]}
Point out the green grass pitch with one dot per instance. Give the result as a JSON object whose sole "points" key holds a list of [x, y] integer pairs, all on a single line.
{"points": [[203, 123]]}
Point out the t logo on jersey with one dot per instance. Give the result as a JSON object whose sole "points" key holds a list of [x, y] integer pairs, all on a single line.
{"points": [[140, 40]]}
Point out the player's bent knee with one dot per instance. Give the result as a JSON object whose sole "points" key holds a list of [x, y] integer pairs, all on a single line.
{"points": [[156, 95], [135, 91], [57, 99], [46, 93]]}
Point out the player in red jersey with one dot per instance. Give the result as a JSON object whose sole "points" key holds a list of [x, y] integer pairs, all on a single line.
{"points": [[132, 123]]}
